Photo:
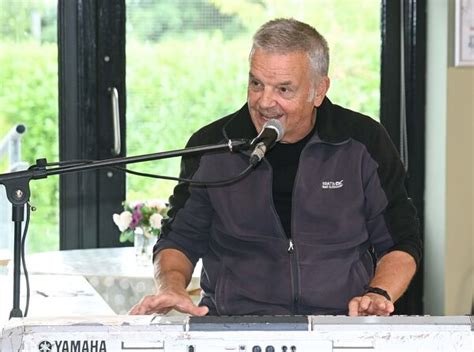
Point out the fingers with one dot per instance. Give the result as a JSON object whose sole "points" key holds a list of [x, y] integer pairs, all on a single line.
{"points": [[148, 305], [354, 306], [163, 303], [370, 304]]}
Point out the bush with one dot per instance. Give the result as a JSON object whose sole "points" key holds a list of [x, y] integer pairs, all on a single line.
{"points": [[185, 87], [29, 95]]}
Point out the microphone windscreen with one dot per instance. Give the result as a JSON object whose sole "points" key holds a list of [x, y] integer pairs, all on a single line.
{"points": [[277, 126]]}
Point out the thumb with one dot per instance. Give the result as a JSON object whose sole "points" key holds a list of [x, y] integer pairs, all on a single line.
{"points": [[189, 307], [199, 311]]}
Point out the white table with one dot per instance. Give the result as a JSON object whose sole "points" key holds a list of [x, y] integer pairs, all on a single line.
{"points": [[52, 296], [114, 262], [114, 273]]}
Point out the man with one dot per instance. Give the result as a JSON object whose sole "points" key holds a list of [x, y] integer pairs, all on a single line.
{"points": [[323, 225]]}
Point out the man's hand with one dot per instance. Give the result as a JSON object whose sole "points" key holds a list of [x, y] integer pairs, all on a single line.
{"points": [[370, 304], [393, 274], [173, 273], [163, 302]]}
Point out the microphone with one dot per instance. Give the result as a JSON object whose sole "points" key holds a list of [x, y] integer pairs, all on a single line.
{"points": [[271, 133]]}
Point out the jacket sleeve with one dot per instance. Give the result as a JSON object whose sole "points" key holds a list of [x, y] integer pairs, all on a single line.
{"points": [[187, 226], [392, 220]]}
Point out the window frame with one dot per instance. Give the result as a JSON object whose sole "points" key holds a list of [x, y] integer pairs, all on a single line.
{"points": [[411, 21], [88, 32]]}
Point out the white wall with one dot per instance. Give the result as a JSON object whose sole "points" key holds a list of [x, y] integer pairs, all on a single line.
{"points": [[449, 214]]}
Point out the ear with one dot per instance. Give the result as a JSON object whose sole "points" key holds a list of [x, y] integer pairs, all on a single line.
{"points": [[321, 90]]}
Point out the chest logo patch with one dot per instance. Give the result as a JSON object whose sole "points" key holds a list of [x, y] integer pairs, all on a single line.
{"points": [[332, 184]]}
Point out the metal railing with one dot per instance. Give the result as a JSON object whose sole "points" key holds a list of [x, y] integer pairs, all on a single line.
{"points": [[10, 146]]}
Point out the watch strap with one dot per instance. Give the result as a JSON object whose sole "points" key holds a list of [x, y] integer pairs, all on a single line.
{"points": [[377, 290]]}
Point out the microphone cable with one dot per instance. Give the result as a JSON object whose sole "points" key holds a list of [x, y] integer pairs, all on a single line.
{"points": [[23, 261], [145, 174], [227, 181], [222, 182], [30, 208]]}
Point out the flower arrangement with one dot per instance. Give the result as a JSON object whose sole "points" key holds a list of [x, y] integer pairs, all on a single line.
{"points": [[143, 216]]}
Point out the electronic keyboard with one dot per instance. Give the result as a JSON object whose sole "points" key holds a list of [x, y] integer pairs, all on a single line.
{"points": [[240, 334]]}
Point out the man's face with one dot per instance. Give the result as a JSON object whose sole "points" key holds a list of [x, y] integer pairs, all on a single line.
{"points": [[281, 87]]}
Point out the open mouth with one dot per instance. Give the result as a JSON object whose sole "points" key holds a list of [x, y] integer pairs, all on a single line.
{"points": [[267, 117]]}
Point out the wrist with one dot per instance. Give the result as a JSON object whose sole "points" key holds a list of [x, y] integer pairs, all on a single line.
{"points": [[378, 291], [170, 281]]}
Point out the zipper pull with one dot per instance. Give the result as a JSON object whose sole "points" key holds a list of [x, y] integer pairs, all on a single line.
{"points": [[291, 248]]}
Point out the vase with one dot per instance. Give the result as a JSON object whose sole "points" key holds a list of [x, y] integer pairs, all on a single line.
{"points": [[143, 243]]}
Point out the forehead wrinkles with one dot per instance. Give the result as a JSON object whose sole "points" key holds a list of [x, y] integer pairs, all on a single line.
{"points": [[277, 69], [272, 77]]}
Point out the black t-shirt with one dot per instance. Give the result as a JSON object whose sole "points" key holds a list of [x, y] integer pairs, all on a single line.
{"points": [[284, 159]]}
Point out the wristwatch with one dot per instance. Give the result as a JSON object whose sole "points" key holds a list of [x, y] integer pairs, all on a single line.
{"points": [[377, 290]]}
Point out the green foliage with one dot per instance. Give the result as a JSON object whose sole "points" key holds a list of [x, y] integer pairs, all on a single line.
{"points": [[127, 236], [28, 95], [189, 84], [16, 20], [151, 21]]}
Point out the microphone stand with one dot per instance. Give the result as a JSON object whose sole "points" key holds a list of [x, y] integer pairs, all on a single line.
{"points": [[18, 191]]}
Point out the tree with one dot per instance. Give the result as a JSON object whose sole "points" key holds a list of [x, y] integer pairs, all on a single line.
{"points": [[24, 20]]}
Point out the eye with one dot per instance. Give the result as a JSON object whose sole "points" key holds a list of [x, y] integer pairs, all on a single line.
{"points": [[285, 91], [254, 84]]}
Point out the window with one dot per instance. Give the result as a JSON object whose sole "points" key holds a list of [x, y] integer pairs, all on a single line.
{"points": [[28, 95]]}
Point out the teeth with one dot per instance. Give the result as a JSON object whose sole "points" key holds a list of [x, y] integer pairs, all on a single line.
{"points": [[270, 117]]}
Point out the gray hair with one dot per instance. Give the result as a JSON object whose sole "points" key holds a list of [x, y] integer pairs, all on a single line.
{"points": [[287, 35]]}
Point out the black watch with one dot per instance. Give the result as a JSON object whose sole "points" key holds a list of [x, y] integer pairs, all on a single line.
{"points": [[377, 290]]}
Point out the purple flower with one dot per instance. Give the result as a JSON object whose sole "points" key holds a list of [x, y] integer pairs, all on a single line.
{"points": [[136, 216]]}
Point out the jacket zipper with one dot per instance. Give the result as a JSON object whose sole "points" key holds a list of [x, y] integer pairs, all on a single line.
{"points": [[294, 276], [295, 282], [291, 249]]}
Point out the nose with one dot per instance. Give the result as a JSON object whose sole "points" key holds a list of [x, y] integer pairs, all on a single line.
{"points": [[267, 99]]}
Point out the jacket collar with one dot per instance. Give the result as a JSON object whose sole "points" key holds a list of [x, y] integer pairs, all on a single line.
{"points": [[329, 128], [239, 125]]}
